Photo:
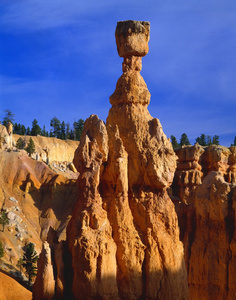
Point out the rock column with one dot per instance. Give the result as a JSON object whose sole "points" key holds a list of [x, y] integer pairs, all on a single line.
{"points": [[123, 237]]}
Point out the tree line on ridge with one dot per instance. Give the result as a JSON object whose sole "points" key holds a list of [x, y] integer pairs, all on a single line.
{"points": [[62, 130]]}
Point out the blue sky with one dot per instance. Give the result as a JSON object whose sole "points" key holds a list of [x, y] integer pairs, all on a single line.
{"points": [[59, 58]]}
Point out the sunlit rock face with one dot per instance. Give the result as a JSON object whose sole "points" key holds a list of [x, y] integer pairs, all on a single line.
{"points": [[123, 237], [206, 188]]}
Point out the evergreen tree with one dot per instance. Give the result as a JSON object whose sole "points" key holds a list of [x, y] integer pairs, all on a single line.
{"points": [[1, 250], [22, 130], [67, 130], [43, 133], [30, 147], [201, 140], [63, 130], [16, 128], [184, 140], [35, 130], [4, 219], [56, 125], [174, 142], [20, 144], [20, 264], [28, 131], [30, 258], [198, 140], [208, 140], [9, 117], [234, 141], [72, 135], [216, 140], [78, 129]]}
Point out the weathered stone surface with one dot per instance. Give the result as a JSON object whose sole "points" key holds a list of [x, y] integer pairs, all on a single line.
{"points": [[132, 38], [123, 236], [189, 172], [51, 149], [211, 251], [206, 213], [5, 136], [12, 290], [44, 286]]}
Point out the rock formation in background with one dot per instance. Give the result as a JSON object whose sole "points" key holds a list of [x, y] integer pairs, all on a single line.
{"points": [[51, 150], [205, 187], [123, 237], [6, 136], [35, 199]]}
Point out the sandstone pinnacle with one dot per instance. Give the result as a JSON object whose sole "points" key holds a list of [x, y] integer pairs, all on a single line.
{"points": [[123, 236]]}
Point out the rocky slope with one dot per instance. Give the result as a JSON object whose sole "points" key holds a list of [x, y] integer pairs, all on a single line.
{"points": [[35, 198], [12, 290], [205, 197], [123, 237]]}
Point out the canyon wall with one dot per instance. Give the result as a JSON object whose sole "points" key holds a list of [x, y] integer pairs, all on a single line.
{"points": [[35, 199], [50, 149], [204, 192]]}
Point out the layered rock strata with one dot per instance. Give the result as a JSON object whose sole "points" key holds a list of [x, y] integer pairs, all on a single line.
{"points": [[206, 212], [123, 237]]}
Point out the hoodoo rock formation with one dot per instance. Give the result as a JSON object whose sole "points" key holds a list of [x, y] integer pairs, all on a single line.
{"points": [[123, 237], [6, 136], [205, 182]]}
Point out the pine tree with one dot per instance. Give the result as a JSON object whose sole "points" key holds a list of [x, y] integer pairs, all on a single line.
{"points": [[174, 142], [22, 130], [20, 144], [208, 140], [43, 132], [216, 140], [16, 128], [78, 129], [201, 140], [30, 258], [4, 219], [184, 140], [235, 141], [9, 117], [30, 147], [56, 125], [1, 250], [28, 131], [67, 130], [20, 264], [36, 129], [63, 130]]}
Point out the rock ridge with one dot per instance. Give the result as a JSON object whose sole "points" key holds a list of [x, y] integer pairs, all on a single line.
{"points": [[204, 191]]}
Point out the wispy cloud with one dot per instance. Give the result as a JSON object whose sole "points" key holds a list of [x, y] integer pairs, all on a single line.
{"points": [[39, 14]]}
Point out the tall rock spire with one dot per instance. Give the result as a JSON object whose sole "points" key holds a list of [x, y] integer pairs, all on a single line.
{"points": [[123, 237]]}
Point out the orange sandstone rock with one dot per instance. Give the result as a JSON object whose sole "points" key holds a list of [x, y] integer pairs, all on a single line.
{"points": [[44, 286], [206, 213], [11, 289], [123, 236]]}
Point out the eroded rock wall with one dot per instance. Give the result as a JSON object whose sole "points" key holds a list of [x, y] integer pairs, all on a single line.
{"points": [[204, 192]]}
